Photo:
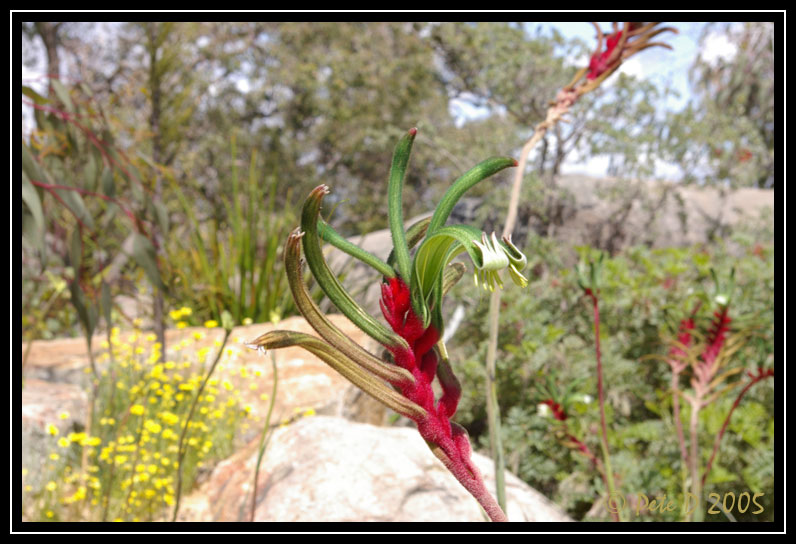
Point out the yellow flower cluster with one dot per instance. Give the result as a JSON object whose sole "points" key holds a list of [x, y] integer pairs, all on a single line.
{"points": [[126, 464]]}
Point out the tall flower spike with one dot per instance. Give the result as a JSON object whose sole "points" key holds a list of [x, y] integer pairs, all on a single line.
{"points": [[414, 354]]}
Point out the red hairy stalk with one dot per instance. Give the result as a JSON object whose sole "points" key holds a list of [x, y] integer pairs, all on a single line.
{"points": [[678, 362], [451, 440], [51, 189], [609, 475], [760, 376]]}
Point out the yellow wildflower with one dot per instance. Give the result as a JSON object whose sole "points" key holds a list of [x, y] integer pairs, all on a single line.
{"points": [[152, 426]]}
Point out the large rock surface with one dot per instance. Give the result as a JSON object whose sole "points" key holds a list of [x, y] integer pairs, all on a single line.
{"points": [[330, 469], [63, 405], [614, 213]]}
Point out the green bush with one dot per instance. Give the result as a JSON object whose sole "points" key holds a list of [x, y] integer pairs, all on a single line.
{"points": [[546, 334]]}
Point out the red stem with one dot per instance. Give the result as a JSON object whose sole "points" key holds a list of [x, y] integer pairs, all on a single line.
{"points": [[50, 188], [89, 134], [583, 448], [755, 378]]}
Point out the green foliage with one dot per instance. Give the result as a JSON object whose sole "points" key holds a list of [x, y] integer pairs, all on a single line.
{"points": [[546, 336], [730, 127], [74, 226], [236, 265]]}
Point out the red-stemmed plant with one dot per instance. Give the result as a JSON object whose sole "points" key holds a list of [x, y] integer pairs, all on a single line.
{"points": [[412, 290]]}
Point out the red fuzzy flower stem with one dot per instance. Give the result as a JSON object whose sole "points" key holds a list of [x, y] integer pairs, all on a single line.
{"points": [[760, 376], [448, 441], [609, 476], [677, 352]]}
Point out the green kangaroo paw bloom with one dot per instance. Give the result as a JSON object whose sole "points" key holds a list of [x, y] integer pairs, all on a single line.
{"points": [[325, 328], [333, 237], [432, 257], [488, 255], [400, 161], [478, 173], [343, 365], [329, 283]]}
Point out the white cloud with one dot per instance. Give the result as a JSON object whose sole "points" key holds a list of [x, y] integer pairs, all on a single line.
{"points": [[717, 46], [633, 67]]}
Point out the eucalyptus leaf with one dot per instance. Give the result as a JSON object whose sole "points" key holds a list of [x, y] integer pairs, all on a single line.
{"points": [[31, 199], [63, 94], [33, 95], [145, 256]]}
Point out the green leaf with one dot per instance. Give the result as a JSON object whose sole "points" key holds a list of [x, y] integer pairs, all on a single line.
{"points": [[87, 314], [76, 249], [162, 216], [720, 475], [62, 93], [31, 199], [144, 255], [31, 167], [90, 173], [33, 95], [74, 202], [106, 304], [108, 187]]}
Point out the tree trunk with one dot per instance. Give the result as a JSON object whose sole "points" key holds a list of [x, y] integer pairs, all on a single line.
{"points": [[48, 32]]}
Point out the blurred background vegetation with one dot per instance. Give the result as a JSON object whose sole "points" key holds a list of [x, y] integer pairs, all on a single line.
{"points": [[165, 163]]}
